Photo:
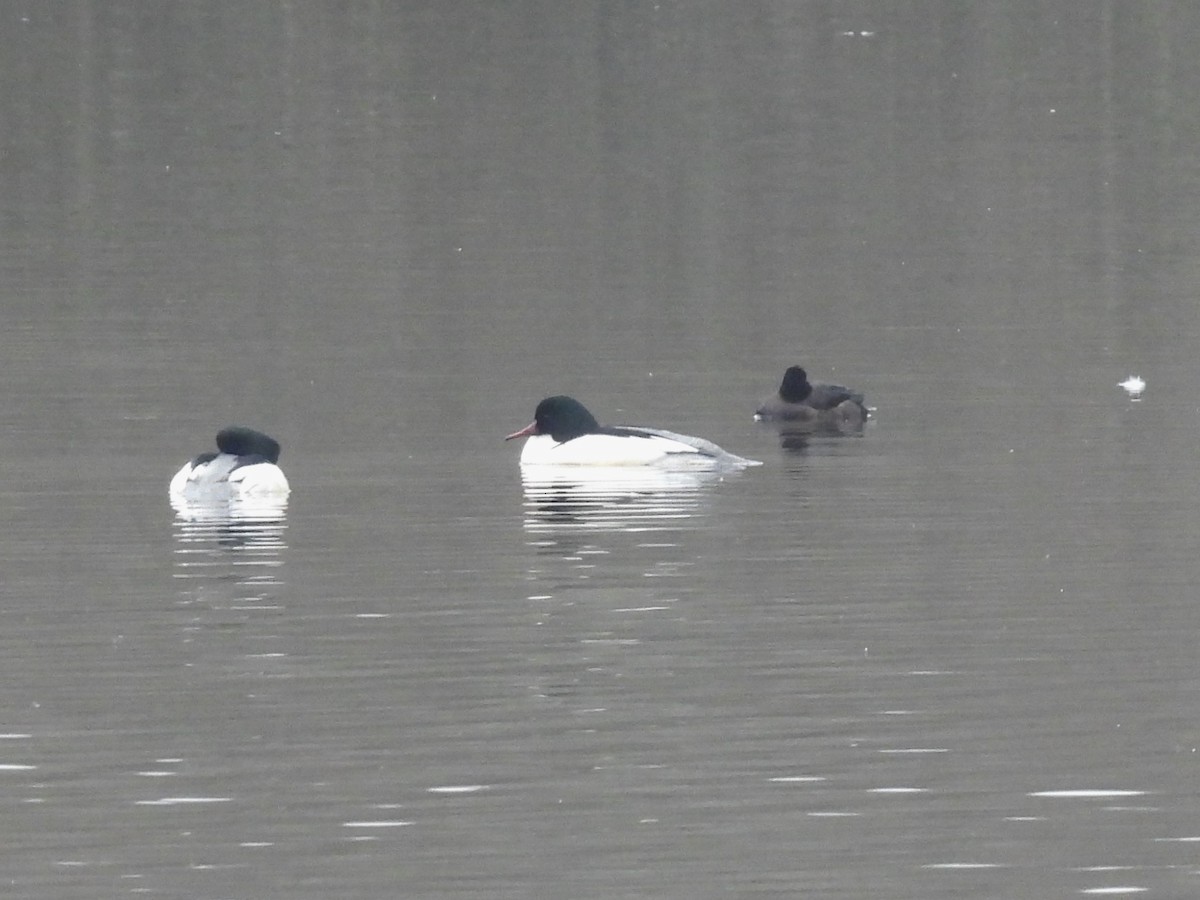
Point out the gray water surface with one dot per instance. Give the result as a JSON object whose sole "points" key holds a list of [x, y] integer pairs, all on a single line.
{"points": [[953, 655]]}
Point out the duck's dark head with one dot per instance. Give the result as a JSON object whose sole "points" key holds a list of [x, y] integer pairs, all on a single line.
{"points": [[795, 385], [563, 418], [240, 441]]}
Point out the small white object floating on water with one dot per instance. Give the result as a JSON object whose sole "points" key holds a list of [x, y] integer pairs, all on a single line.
{"points": [[1133, 386]]}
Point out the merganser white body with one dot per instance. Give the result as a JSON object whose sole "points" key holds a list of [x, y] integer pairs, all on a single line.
{"points": [[246, 464], [564, 433]]}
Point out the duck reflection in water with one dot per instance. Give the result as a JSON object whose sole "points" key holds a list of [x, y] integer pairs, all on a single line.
{"points": [[231, 521], [612, 499], [229, 562]]}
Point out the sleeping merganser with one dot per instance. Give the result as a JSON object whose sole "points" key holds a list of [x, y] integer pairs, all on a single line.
{"points": [[821, 404], [244, 465], [564, 433]]}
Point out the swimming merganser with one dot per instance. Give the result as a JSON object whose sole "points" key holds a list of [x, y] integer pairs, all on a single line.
{"points": [[798, 400], [245, 464], [564, 433]]}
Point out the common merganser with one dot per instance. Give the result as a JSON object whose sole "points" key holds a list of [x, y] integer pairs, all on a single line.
{"points": [[245, 464], [798, 400], [564, 433]]}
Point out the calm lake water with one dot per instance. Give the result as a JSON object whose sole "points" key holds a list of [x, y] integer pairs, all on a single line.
{"points": [[953, 655]]}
